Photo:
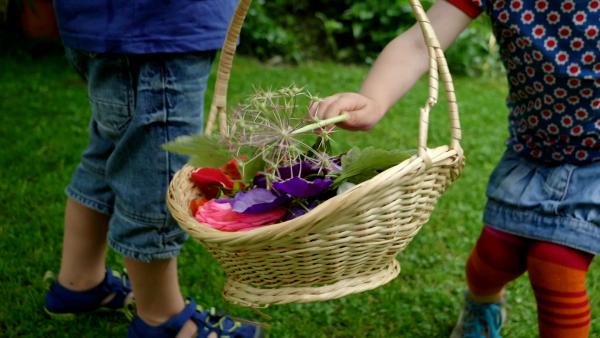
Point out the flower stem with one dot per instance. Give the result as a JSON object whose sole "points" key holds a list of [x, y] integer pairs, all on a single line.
{"points": [[321, 123]]}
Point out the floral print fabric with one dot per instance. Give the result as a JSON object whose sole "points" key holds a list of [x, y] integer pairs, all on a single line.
{"points": [[551, 52]]}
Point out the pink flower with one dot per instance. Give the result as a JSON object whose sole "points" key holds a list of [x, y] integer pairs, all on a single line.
{"points": [[222, 217]]}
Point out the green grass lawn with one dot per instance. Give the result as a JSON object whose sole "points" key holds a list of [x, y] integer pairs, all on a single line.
{"points": [[43, 127]]}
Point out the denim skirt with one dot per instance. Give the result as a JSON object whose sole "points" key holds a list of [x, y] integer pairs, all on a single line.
{"points": [[558, 204]]}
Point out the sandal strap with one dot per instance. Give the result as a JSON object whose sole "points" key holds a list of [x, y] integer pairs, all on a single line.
{"points": [[119, 284], [170, 328], [62, 300], [175, 323], [208, 321]]}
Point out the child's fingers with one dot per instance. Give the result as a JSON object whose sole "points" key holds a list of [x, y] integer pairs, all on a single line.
{"points": [[351, 103], [319, 108], [313, 109], [345, 104]]}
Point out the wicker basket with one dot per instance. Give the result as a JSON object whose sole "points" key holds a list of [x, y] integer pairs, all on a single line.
{"points": [[349, 243]]}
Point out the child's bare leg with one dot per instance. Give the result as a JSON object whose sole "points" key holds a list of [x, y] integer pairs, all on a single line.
{"points": [[84, 247], [157, 292], [156, 288]]}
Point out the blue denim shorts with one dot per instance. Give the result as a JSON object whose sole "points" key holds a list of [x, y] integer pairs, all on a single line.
{"points": [[559, 204], [139, 102]]}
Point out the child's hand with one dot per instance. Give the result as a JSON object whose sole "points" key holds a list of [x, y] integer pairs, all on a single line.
{"points": [[364, 112]]}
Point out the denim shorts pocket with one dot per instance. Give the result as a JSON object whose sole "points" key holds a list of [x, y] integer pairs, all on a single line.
{"points": [[111, 118], [110, 92]]}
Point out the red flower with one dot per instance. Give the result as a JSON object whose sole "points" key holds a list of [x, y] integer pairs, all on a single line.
{"points": [[212, 181], [231, 169], [211, 176]]}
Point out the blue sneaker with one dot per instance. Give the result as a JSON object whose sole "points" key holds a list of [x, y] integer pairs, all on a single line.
{"points": [[480, 320], [208, 321]]}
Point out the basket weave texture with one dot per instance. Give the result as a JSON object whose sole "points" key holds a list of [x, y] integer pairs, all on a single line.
{"points": [[347, 244]]}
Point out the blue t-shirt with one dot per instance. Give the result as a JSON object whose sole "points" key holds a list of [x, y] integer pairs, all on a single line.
{"points": [[144, 26]]}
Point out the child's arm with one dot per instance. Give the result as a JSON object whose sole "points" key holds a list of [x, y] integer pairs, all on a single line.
{"points": [[397, 68]]}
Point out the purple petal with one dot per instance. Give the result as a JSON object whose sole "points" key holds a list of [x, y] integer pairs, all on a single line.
{"points": [[260, 181], [301, 169], [299, 211], [298, 187], [256, 201], [296, 212]]}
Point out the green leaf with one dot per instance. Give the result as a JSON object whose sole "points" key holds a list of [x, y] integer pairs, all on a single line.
{"points": [[250, 168], [204, 150], [359, 165]]}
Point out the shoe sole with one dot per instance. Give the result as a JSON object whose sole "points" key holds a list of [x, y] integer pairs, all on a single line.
{"points": [[127, 311]]}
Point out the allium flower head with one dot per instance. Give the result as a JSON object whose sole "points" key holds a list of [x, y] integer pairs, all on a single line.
{"points": [[269, 123]]}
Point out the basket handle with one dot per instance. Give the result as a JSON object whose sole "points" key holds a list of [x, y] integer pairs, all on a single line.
{"points": [[437, 67], [219, 102]]}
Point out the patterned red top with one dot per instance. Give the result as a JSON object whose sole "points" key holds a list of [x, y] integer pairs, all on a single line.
{"points": [[551, 51]]}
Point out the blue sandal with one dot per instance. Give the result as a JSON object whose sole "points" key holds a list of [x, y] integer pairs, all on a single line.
{"points": [[208, 321], [62, 303]]}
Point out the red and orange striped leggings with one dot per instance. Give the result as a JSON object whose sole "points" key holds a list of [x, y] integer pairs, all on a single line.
{"points": [[557, 275]]}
